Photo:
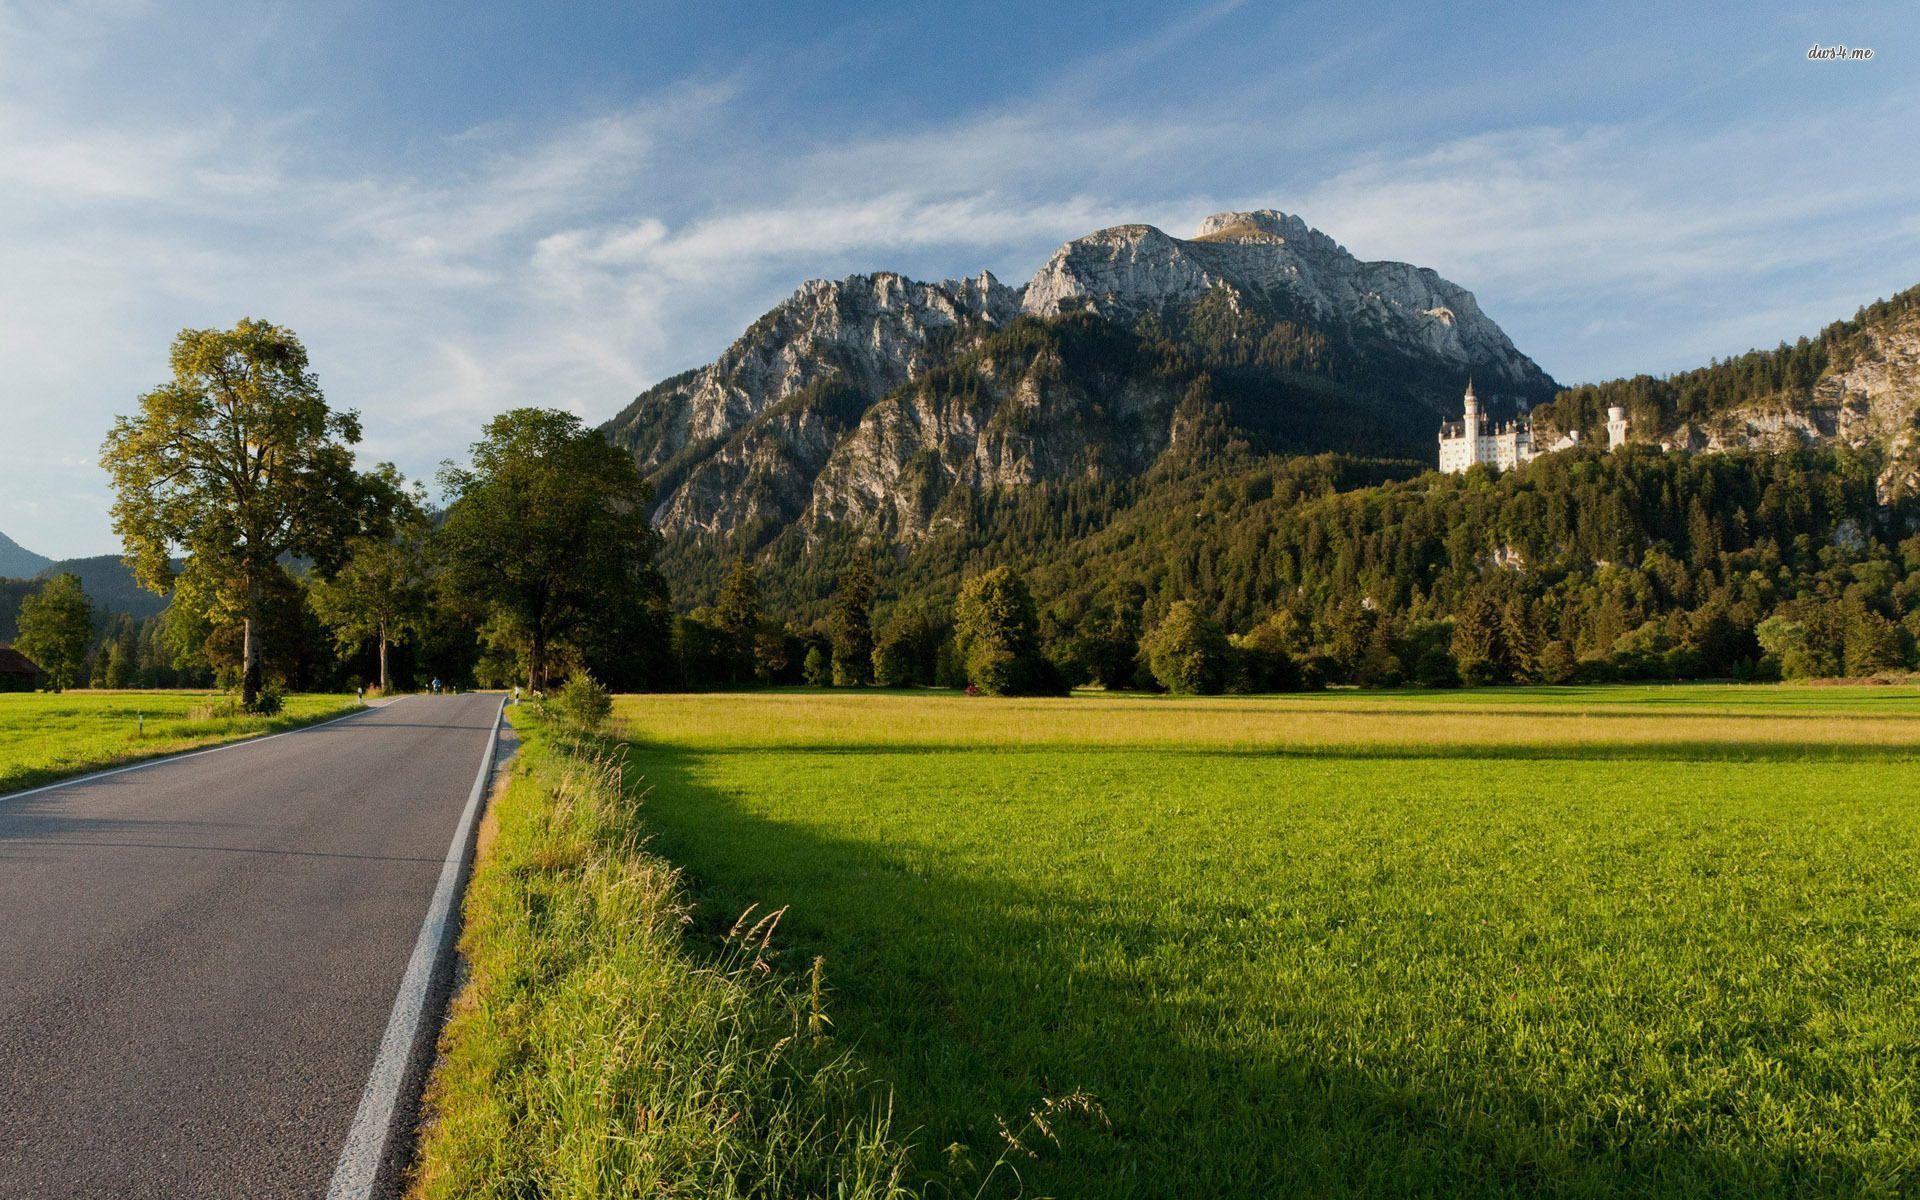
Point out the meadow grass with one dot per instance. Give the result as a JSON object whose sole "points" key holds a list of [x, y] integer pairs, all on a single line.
{"points": [[45, 736], [1571, 942]]}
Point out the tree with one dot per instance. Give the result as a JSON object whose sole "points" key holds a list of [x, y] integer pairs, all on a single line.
{"points": [[1265, 656], [547, 532], [850, 625], [738, 615], [1108, 647], [1872, 643], [379, 594], [818, 669], [1188, 652], [908, 646], [1479, 641], [997, 634], [55, 625], [239, 463], [122, 652], [705, 655], [1790, 644]]}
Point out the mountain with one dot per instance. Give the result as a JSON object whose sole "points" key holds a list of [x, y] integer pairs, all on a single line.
{"points": [[1855, 384], [110, 585], [105, 578], [18, 562], [882, 408]]}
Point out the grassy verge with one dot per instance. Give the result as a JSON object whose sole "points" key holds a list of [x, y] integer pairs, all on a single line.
{"points": [[45, 738], [595, 1052]]}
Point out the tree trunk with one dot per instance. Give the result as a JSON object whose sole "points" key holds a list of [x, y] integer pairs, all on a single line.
{"points": [[536, 661], [249, 665], [386, 684]]}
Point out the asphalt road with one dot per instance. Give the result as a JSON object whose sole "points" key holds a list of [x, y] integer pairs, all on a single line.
{"points": [[198, 959]]}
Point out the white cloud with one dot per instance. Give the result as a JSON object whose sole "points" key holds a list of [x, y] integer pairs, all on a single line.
{"points": [[576, 263]]}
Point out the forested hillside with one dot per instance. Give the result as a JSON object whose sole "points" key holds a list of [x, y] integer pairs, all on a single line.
{"points": [[108, 583], [1130, 441], [1856, 383], [1637, 564]]}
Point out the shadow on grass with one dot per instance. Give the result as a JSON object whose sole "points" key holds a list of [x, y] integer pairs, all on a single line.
{"points": [[972, 1003]]}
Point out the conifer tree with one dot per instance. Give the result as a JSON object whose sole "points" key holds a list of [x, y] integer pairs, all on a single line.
{"points": [[851, 626], [737, 613]]}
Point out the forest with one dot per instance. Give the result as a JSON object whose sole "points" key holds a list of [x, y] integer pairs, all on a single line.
{"points": [[1256, 574]]}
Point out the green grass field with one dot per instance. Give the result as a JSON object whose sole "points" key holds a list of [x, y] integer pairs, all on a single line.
{"points": [[44, 737], [1573, 942]]}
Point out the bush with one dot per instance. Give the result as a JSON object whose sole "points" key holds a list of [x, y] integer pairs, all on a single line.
{"points": [[581, 705], [1437, 669], [1266, 663], [268, 703], [1188, 652], [1555, 663]]}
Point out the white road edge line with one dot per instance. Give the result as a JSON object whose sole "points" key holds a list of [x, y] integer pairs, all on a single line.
{"points": [[366, 1148], [164, 759]]}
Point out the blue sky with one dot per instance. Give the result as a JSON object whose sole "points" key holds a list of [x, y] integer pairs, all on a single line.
{"points": [[466, 207]]}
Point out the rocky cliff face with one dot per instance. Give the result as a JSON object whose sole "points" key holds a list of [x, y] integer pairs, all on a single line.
{"points": [[740, 441], [1870, 404], [1068, 400], [870, 401]]}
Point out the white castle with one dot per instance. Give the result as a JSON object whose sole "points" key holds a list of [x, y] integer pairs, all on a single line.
{"points": [[1474, 439]]}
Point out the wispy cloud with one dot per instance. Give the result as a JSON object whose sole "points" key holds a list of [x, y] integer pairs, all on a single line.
{"points": [[575, 261]]}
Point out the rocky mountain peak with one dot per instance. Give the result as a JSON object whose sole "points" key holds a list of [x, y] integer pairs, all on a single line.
{"points": [[1259, 225], [1274, 264], [817, 415]]}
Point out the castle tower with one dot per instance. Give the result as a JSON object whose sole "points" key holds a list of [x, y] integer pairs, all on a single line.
{"points": [[1470, 426], [1616, 427]]}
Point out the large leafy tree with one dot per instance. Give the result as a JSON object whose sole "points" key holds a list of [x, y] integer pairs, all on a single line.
{"points": [[998, 636], [380, 594], [1188, 652], [547, 532], [238, 462], [56, 623]]}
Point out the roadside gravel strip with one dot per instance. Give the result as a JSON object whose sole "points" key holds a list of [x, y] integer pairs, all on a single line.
{"points": [[200, 958]]}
